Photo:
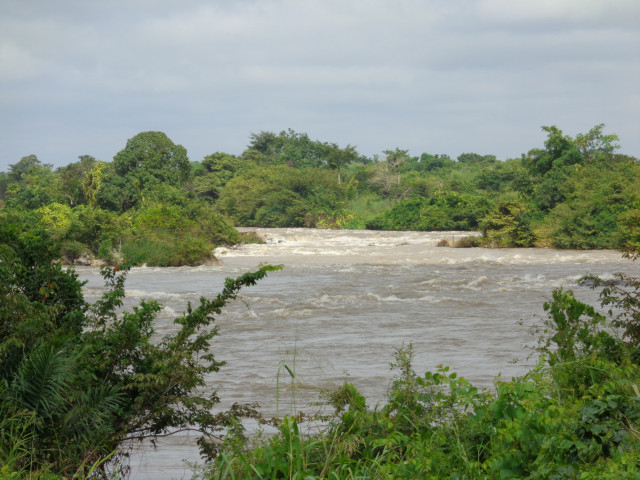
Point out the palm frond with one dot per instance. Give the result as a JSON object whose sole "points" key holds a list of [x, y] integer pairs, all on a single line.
{"points": [[94, 411], [42, 379]]}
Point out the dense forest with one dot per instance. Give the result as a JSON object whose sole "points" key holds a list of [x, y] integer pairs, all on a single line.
{"points": [[152, 205]]}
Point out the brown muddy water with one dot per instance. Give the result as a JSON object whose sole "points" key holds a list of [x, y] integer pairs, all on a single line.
{"points": [[344, 301]]}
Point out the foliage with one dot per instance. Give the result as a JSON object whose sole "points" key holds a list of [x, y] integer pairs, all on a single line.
{"points": [[574, 415], [153, 155], [629, 232], [443, 211], [214, 172], [78, 180], [573, 192], [281, 196], [501, 177], [77, 379], [596, 197], [621, 297], [297, 150], [508, 225], [30, 184], [166, 234]]}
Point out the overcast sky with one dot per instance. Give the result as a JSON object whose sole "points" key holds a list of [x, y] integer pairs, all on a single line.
{"points": [[439, 76]]}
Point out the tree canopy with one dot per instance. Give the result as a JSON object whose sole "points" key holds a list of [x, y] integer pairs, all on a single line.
{"points": [[289, 179]]}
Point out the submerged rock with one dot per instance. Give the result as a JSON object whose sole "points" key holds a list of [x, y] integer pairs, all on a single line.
{"points": [[591, 282]]}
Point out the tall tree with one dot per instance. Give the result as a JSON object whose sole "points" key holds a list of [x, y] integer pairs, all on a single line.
{"points": [[153, 156], [19, 170], [395, 159], [337, 157], [72, 177], [31, 184], [594, 145]]}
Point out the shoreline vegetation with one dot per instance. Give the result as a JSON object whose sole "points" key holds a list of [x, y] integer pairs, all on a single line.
{"points": [[78, 381], [87, 259], [152, 205]]}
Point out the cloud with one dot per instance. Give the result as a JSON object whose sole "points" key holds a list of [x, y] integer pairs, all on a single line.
{"points": [[619, 13], [414, 74]]}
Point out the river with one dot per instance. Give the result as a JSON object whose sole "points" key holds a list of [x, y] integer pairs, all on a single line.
{"points": [[341, 305]]}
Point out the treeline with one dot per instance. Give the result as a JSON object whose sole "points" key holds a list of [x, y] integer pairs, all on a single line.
{"points": [[153, 205]]}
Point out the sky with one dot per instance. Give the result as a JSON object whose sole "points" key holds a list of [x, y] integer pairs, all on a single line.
{"points": [[438, 76]]}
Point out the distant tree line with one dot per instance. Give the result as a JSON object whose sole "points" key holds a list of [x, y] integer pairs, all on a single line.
{"points": [[153, 205]]}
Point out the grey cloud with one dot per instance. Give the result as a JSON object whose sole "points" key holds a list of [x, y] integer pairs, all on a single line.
{"points": [[474, 75]]}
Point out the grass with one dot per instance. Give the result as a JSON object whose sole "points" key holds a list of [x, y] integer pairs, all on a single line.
{"points": [[364, 208]]}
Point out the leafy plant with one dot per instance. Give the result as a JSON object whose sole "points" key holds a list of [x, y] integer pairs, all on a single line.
{"points": [[78, 379]]}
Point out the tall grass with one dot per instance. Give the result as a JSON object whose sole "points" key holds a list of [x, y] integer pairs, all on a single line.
{"points": [[367, 205]]}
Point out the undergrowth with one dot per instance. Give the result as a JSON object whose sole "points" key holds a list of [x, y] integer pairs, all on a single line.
{"points": [[575, 415]]}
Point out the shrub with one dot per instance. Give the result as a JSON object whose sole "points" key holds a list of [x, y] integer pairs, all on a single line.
{"points": [[71, 251], [76, 379], [471, 241]]}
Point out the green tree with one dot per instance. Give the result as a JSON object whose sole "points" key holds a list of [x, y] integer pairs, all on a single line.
{"points": [[297, 150], [443, 211], [560, 151], [596, 196], [92, 181], [72, 178], [337, 158], [508, 225], [475, 158], [19, 170], [288, 147], [595, 145], [76, 379], [216, 170], [502, 176], [428, 162], [281, 196], [4, 184], [629, 232], [395, 159], [31, 184], [114, 192], [153, 156]]}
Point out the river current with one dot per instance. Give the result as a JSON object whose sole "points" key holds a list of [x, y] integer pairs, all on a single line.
{"points": [[341, 305]]}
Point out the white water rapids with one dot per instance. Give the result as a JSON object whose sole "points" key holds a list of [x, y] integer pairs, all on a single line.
{"points": [[344, 301]]}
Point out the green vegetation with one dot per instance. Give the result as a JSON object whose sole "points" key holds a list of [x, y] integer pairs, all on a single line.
{"points": [[152, 205], [142, 208], [77, 379]]}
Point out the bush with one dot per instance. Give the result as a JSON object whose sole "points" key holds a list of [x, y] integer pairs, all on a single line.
{"points": [[508, 225], [473, 241], [166, 251], [441, 212], [76, 379], [169, 235], [71, 251]]}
